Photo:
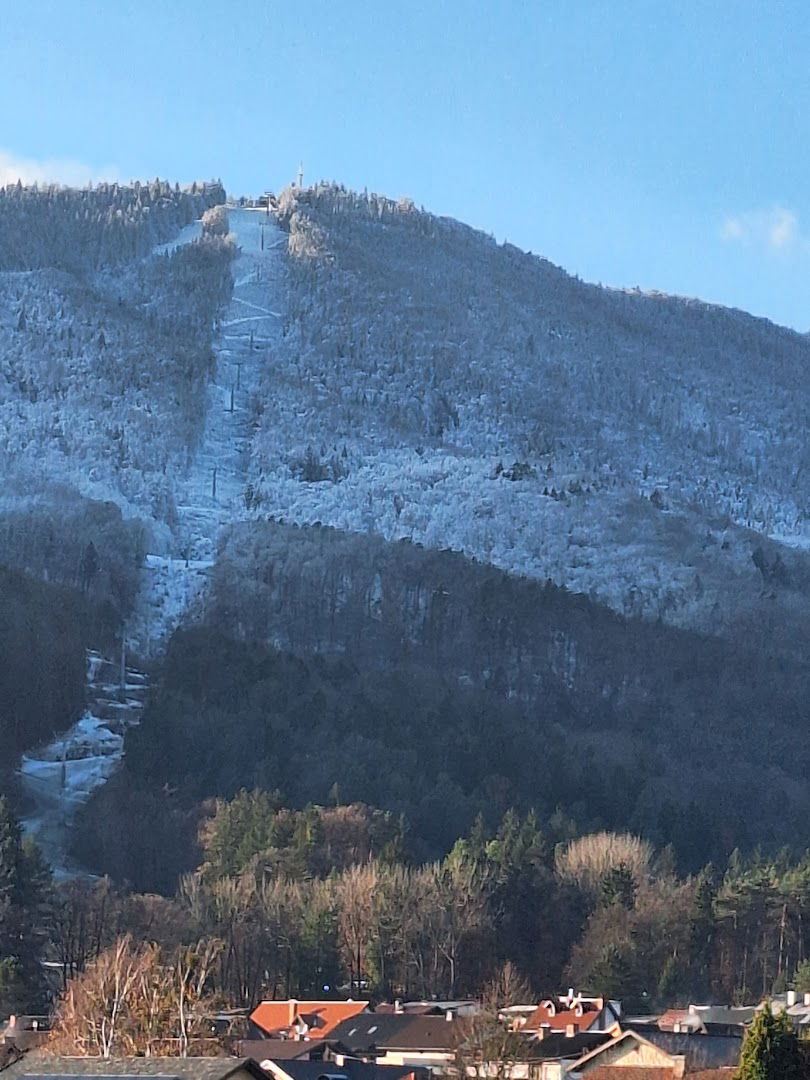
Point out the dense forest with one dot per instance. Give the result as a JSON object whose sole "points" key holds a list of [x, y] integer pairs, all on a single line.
{"points": [[286, 903], [436, 688], [83, 230], [43, 635]]}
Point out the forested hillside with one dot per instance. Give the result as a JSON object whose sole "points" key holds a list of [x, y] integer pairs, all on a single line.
{"points": [[83, 230], [44, 631], [436, 385], [438, 689], [106, 348]]}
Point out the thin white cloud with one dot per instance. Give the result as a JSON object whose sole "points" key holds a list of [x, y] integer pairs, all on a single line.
{"points": [[776, 229], [56, 171]]}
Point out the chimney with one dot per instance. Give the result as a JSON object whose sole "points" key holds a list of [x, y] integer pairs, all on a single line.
{"points": [[570, 1031], [448, 1015], [807, 999], [292, 1003], [791, 998], [398, 1010], [570, 995]]}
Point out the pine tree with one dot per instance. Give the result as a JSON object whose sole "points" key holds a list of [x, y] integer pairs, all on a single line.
{"points": [[771, 1048], [23, 881]]}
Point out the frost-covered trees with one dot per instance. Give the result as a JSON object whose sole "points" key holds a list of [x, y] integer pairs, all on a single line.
{"points": [[627, 425], [104, 376], [215, 221], [84, 229]]}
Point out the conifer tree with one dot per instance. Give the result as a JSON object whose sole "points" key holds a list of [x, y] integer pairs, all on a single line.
{"points": [[771, 1048], [22, 887]]}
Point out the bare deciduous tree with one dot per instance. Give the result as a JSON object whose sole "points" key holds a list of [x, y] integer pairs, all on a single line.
{"points": [[134, 1000]]}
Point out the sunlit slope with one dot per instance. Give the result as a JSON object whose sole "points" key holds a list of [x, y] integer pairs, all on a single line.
{"points": [[436, 385]]}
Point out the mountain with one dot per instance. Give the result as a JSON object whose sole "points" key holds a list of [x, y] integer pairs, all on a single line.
{"points": [[465, 531], [464, 394]]}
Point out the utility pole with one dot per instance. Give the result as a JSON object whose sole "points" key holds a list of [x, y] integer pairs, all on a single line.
{"points": [[239, 374], [214, 483], [123, 663], [300, 181], [231, 408]]}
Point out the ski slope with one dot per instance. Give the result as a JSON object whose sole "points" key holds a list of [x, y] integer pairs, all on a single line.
{"points": [[60, 777], [212, 492]]}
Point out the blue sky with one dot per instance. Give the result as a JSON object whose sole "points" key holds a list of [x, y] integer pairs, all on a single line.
{"points": [[662, 144]]}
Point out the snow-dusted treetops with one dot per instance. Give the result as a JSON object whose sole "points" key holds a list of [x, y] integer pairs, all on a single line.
{"points": [[429, 384], [435, 385], [180, 397]]}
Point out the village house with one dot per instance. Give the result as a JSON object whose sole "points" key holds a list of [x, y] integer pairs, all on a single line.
{"points": [[466, 1007], [282, 1049], [548, 1057], [26, 1032], [570, 1013], [628, 1051], [706, 1019], [37, 1064], [350, 1070], [397, 1039], [293, 1019], [659, 1056]]}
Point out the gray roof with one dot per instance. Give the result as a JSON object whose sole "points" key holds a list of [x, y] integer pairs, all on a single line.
{"points": [[559, 1045], [280, 1049], [36, 1066], [700, 1051], [349, 1070], [386, 1031], [727, 1014]]}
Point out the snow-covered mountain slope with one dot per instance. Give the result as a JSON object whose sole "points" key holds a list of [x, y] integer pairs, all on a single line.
{"points": [[402, 374], [209, 492], [434, 385]]}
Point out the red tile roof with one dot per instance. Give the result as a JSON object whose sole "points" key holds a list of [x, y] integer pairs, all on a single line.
{"points": [[319, 1016], [668, 1020], [554, 1018]]}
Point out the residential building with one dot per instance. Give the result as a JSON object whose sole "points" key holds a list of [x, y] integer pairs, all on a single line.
{"points": [[37, 1064], [659, 1056], [397, 1039], [350, 1070], [282, 1049], [634, 1055], [570, 1012], [295, 1019]]}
